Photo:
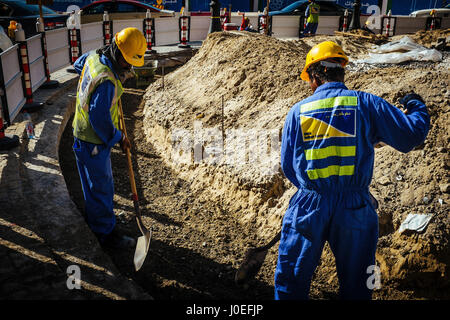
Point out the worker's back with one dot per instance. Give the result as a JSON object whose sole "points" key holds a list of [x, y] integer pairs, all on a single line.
{"points": [[332, 134]]}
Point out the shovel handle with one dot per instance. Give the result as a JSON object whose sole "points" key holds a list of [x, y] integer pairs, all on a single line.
{"points": [[271, 243], [131, 173], [130, 164]]}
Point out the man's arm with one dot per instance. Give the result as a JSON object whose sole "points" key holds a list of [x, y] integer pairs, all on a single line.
{"points": [[100, 115], [399, 130], [79, 63], [288, 146]]}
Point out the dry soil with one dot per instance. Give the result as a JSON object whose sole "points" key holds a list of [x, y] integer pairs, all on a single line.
{"points": [[205, 212]]}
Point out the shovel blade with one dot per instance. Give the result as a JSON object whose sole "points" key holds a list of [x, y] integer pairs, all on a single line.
{"points": [[142, 246], [253, 260]]}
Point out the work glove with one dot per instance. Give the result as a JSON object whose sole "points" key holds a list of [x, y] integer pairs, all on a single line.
{"points": [[125, 144], [410, 96]]}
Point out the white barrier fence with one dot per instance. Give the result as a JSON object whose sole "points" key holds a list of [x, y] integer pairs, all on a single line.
{"points": [[285, 26], [18, 80], [36, 62], [58, 49], [166, 30], [13, 93], [199, 27], [91, 35]]}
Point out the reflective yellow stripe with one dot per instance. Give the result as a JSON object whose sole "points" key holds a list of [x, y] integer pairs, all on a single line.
{"points": [[329, 103], [331, 151], [331, 171]]}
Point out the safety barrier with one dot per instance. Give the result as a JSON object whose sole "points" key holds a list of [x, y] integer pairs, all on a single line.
{"points": [[405, 25], [107, 32], [184, 23], [285, 26], [149, 32], [167, 30], [328, 25], [32, 63], [265, 22], [238, 20], [27, 65], [388, 25], [199, 27], [11, 84], [445, 23], [91, 36]]}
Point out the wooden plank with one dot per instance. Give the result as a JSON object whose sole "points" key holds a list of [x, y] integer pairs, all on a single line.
{"points": [[340, 33]]}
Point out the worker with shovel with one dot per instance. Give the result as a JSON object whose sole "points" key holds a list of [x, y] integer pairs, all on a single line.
{"points": [[327, 153], [96, 128]]}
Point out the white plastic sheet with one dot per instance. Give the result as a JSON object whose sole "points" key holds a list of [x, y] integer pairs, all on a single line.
{"points": [[415, 222], [402, 50]]}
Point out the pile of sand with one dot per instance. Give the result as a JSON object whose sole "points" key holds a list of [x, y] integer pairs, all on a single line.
{"points": [[258, 79]]}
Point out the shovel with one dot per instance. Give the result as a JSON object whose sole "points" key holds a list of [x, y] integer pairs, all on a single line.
{"points": [[253, 260], [143, 241], [254, 257]]}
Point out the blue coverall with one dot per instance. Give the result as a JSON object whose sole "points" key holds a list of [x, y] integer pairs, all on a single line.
{"points": [[95, 170], [327, 153]]}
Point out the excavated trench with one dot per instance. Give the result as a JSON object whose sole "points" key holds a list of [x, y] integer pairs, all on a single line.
{"points": [[196, 247], [205, 215]]}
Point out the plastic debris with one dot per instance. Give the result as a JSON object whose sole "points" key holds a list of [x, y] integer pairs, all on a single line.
{"points": [[402, 50], [29, 125], [415, 222]]}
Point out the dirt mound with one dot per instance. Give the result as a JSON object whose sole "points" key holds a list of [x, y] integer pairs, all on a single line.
{"points": [[428, 38], [258, 79], [246, 70]]}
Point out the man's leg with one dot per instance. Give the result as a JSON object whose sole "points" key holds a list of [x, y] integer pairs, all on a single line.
{"points": [[307, 29], [297, 260], [314, 28], [98, 187], [353, 239]]}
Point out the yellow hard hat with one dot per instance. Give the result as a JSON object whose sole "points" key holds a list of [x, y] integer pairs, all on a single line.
{"points": [[132, 45], [322, 51]]}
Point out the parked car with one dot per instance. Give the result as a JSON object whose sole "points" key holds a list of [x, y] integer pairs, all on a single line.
{"points": [[27, 14], [327, 8], [440, 12], [121, 6]]}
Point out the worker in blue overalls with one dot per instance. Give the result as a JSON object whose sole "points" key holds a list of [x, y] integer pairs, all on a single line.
{"points": [[327, 152], [96, 127], [312, 18]]}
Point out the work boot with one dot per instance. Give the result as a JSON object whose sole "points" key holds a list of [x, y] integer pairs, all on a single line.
{"points": [[116, 240]]}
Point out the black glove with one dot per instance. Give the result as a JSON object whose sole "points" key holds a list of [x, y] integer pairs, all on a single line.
{"points": [[410, 96]]}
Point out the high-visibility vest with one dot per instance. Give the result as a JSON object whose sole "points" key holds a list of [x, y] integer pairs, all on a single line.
{"points": [[322, 121], [94, 73], [314, 10]]}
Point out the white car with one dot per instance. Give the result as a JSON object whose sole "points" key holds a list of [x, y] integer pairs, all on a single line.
{"points": [[440, 12]]}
